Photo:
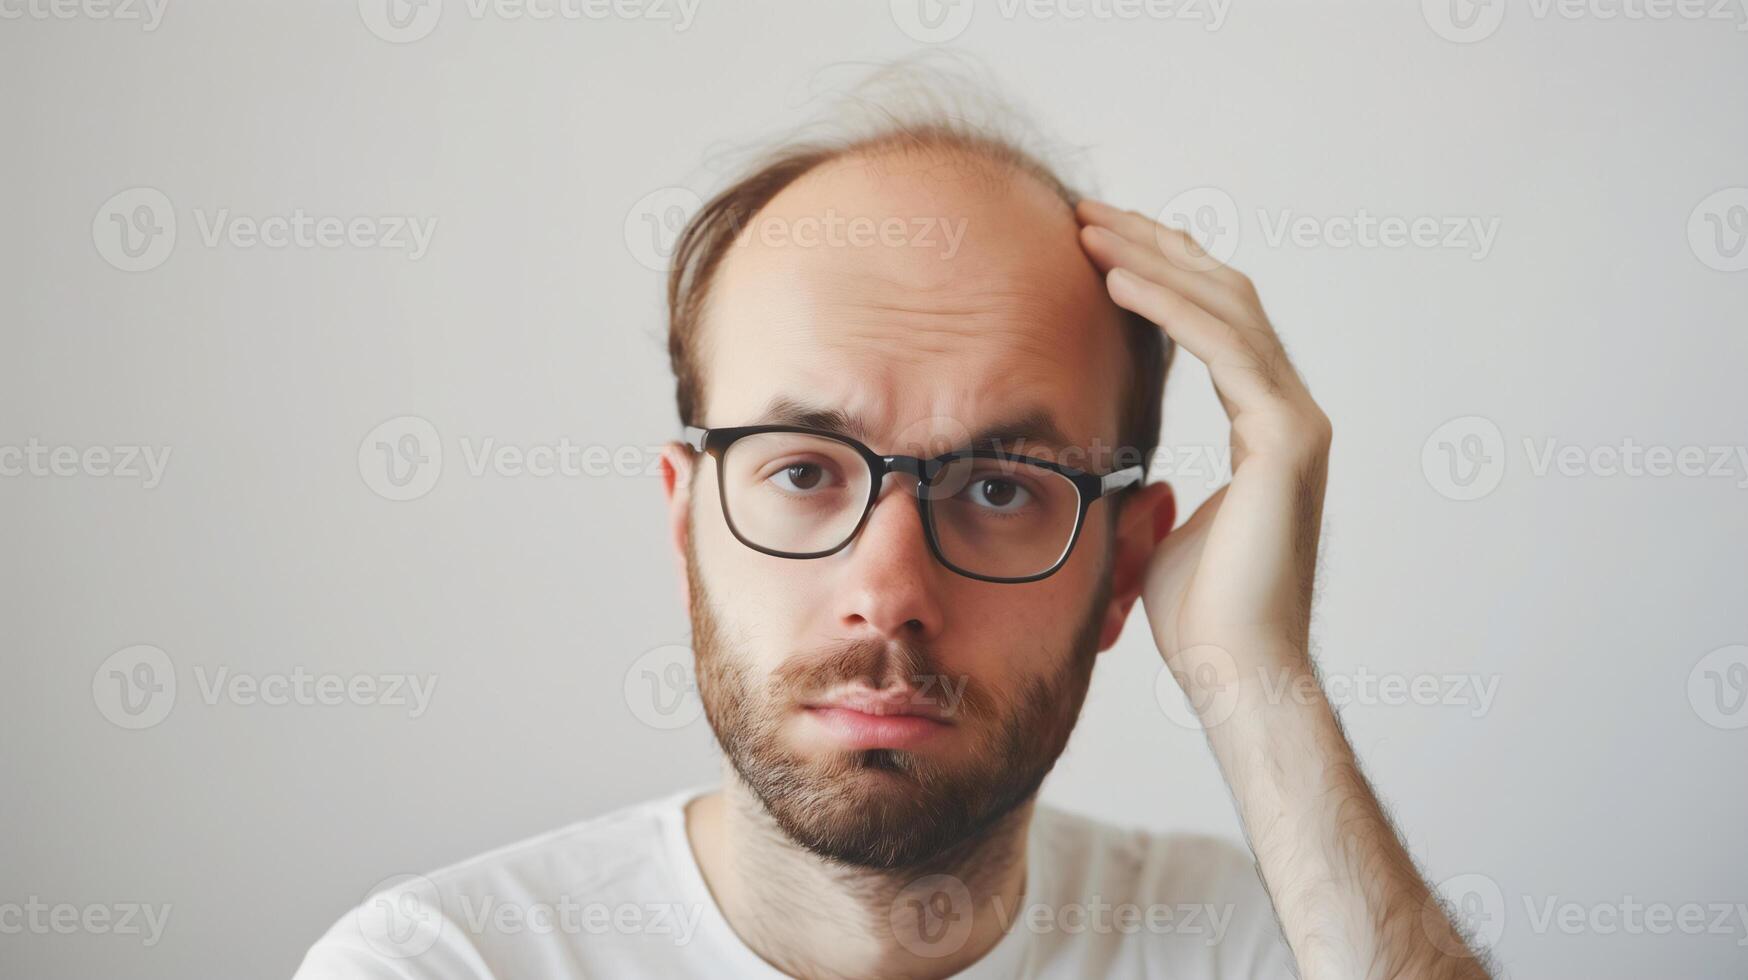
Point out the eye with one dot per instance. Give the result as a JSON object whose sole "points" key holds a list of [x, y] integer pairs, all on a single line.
{"points": [[801, 477], [998, 494]]}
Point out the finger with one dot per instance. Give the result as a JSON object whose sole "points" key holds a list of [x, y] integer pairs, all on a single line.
{"points": [[1175, 245], [1109, 249], [1247, 376]]}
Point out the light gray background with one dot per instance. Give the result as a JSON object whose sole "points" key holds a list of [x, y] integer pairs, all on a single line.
{"points": [[1605, 771]]}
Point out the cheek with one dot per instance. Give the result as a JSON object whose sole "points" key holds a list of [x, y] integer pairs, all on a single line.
{"points": [[761, 605]]}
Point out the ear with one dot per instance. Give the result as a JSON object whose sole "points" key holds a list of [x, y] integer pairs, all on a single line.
{"points": [[1146, 518], [677, 474]]}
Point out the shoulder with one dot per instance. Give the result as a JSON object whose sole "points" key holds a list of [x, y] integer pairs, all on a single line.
{"points": [[1188, 903], [454, 921]]}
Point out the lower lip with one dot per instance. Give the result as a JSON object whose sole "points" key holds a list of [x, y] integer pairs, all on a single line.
{"points": [[859, 730]]}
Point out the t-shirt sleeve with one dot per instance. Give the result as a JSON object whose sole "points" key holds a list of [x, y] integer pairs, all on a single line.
{"points": [[395, 935]]}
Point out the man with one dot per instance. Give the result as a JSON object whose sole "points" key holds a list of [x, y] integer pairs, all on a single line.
{"points": [[908, 513]]}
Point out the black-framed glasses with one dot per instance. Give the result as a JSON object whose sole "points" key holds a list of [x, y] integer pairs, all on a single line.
{"points": [[996, 516]]}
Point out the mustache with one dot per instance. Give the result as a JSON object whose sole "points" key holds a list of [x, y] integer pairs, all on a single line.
{"points": [[879, 666]]}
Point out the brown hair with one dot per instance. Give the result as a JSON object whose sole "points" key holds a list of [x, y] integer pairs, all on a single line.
{"points": [[708, 235]]}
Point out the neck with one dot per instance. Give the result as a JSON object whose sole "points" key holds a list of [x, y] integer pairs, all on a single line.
{"points": [[811, 917]]}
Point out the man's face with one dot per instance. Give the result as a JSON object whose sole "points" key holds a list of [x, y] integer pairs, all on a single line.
{"points": [[881, 706]]}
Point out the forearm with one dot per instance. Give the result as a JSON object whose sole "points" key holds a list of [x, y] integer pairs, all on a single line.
{"points": [[1350, 900]]}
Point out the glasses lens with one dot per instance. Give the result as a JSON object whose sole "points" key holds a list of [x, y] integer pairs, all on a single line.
{"points": [[792, 492], [1001, 517]]}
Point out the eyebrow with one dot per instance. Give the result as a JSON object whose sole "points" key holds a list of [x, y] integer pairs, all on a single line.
{"points": [[1035, 425]]}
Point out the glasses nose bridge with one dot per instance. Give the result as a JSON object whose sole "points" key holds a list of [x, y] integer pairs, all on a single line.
{"points": [[924, 470]]}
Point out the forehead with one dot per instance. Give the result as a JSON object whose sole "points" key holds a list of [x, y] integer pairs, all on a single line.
{"points": [[924, 296]]}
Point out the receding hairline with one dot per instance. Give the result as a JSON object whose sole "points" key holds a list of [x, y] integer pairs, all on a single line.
{"points": [[999, 161], [704, 245]]}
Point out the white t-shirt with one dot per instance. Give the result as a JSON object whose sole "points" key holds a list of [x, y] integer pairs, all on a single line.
{"points": [[622, 896]]}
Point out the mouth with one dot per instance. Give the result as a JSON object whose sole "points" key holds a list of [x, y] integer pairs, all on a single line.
{"points": [[878, 720]]}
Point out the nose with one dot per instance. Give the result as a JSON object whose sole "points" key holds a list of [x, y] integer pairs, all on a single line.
{"points": [[890, 585]]}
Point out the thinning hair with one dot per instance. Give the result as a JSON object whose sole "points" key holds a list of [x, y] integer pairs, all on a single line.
{"points": [[906, 108]]}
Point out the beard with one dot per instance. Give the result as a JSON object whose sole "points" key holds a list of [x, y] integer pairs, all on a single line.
{"points": [[888, 809]]}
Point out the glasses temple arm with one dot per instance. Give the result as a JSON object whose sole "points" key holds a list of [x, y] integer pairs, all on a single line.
{"points": [[1119, 479]]}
